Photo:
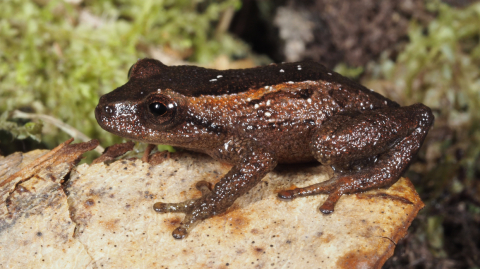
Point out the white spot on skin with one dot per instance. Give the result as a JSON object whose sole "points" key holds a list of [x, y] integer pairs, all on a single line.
{"points": [[329, 73], [125, 110], [213, 80], [268, 102], [219, 76], [268, 114], [256, 106], [170, 105], [385, 102], [309, 100], [281, 71], [159, 90], [227, 144], [290, 82]]}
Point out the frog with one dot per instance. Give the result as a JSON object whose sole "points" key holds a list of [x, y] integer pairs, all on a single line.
{"points": [[257, 118]]}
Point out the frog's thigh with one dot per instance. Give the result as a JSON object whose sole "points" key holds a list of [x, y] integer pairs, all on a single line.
{"points": [[394, 134], [347, 138]]}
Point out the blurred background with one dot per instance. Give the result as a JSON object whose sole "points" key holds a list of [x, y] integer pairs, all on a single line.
{"points": [[58, 56]]}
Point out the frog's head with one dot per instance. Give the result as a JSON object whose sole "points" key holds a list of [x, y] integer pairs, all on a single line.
{"points": [[145, 108]]}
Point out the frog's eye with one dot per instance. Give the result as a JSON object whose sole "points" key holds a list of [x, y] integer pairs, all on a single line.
{"points": [[157, 109], [130, 71], [162, 108], [162, 111]]}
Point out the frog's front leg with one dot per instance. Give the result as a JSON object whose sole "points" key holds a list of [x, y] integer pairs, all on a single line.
{"points": [[252, 163], [388, 138]]}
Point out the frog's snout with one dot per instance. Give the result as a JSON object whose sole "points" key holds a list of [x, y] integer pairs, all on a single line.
{"points": [[103, 111]]}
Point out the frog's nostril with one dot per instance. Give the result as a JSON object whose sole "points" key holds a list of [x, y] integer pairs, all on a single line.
{"points": [[108, 109], [103, 111]]}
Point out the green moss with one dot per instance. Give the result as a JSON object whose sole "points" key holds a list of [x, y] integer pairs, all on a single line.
{"points": [[440, 68], [58, 58], [29, 130]]}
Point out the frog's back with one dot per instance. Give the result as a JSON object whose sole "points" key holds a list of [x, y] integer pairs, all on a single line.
{"points": [[284, 116], [197, 81], [193, 81]]}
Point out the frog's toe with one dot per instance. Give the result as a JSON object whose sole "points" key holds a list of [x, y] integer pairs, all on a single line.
{"points": [[329, 205], [334, 187], [320, 188], [286, 194], [326, 209]]}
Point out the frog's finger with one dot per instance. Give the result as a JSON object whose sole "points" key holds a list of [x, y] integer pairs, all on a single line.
{"points": [[182, 207], [186, 206], [180, 233], [191, 220]]}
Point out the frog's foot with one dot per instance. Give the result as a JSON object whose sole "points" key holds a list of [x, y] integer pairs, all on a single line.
{"points": [[188, 207], [335, 187]]}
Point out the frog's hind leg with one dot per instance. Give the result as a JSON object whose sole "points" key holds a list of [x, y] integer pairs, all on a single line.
{"points": [[389, 138]]}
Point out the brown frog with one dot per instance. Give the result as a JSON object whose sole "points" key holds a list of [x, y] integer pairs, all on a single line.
{"points": [[257, 118]]}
